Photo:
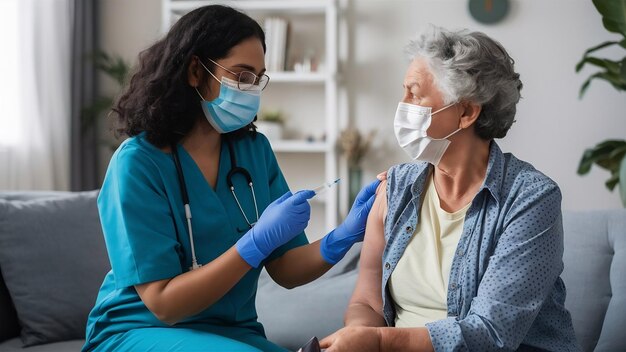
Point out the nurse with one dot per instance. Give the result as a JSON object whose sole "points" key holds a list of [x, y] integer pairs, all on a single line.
{"points": [[194, 205]]}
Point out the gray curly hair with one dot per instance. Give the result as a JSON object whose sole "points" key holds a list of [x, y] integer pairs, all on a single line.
{"points": [[471, 66]]}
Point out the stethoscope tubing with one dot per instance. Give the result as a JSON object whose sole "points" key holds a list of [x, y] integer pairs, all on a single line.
{"points": [[185, 195], [234, 169]]}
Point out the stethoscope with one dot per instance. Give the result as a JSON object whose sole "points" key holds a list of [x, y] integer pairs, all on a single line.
{"points": [[234, 169]]}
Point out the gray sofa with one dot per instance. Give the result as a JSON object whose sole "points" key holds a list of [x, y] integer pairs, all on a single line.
{"points": [[52, 260]]}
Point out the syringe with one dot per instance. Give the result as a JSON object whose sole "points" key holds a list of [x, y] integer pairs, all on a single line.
{"points": [[325, 186]]}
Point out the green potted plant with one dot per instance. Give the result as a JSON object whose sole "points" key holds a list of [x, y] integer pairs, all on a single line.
{"points": [[116, 68], [270, 123], [609, 154]]}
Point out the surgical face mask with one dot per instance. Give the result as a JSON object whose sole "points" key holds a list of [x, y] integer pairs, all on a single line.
{"points": [[410, 126], [233, 108]]}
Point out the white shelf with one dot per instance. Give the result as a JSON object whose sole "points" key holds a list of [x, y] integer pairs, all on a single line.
{"points": [[301, 158], [297, 77], [299, 146], [308, 6]]}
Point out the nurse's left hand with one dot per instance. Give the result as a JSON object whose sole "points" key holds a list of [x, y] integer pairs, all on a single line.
{"points": [[337, 243]]}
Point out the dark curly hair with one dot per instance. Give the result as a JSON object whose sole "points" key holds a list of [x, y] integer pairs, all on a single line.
{"points": [[159, 100]]}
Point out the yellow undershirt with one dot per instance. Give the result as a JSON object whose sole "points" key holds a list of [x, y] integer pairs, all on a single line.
{"points": [[419, 283]]}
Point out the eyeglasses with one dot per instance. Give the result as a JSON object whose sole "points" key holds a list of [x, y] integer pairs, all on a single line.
{"points": [[246, 80]]}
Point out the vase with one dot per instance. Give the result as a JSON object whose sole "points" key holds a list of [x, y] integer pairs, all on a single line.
{"points": [[355, 178]]}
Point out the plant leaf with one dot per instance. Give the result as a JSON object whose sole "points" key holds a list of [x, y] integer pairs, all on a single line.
{"points": [[611, 143], [618, 152], [599, 154], [589, 157], [613, 14], [585, 85], [611, 66], [612, 160], [622, 180], [613, 78], [608, 164], [114, 67], [91, 113], [612, 182], [580, 64]]}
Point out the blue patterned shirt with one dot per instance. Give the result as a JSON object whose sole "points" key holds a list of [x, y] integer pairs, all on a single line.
{"points": [[505, 290]]}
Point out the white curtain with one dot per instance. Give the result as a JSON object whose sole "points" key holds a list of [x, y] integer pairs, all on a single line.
{"points": [[35, 94]]}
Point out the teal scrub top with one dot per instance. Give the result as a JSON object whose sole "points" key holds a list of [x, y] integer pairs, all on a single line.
{"points": [[144, 225]]}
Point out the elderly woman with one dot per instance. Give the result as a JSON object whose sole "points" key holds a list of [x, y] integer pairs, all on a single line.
{"points": [[466, 242]]}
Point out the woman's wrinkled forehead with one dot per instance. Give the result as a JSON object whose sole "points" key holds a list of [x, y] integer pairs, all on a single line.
{"points": [[418, 74]]}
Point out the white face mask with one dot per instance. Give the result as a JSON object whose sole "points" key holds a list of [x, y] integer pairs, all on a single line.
{"points": [[410, 126]]}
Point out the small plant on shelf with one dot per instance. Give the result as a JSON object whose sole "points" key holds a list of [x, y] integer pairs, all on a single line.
{"points": [[354, 147], [273, 116], [271, 123]]}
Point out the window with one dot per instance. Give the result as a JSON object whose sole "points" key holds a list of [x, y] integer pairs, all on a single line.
{"points": [[9, 74]]}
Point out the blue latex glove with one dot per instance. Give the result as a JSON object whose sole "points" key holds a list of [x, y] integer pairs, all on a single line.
{"points": [[281, 221], [337, 243]]}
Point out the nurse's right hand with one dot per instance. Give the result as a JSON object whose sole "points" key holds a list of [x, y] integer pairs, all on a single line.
{"points": [[281, 221]]}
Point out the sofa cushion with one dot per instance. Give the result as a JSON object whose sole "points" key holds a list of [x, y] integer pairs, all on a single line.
{"points": [[595, 277], [15, 345], [53, 260], [32, 195], [9, 327]]}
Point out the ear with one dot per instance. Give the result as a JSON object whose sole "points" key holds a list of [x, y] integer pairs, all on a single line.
{"points": [[469, 113], [195, 72]]}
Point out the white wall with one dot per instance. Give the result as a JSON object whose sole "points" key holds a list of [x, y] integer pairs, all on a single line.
{"points": [[126, 28], [545, 37]]}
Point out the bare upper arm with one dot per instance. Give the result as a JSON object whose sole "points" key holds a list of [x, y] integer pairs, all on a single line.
{"points": [[367, 290]]}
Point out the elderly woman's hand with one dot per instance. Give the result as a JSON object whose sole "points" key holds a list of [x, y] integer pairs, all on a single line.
{"points": [[353, 338]]}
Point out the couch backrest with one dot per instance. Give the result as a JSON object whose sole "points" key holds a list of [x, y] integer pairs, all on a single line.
{"points": [[594, 274], [30, 205], [10, 327], [595, 277]]}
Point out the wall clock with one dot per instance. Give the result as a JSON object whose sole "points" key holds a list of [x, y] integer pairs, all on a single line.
{"points": [[488, 11]]}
